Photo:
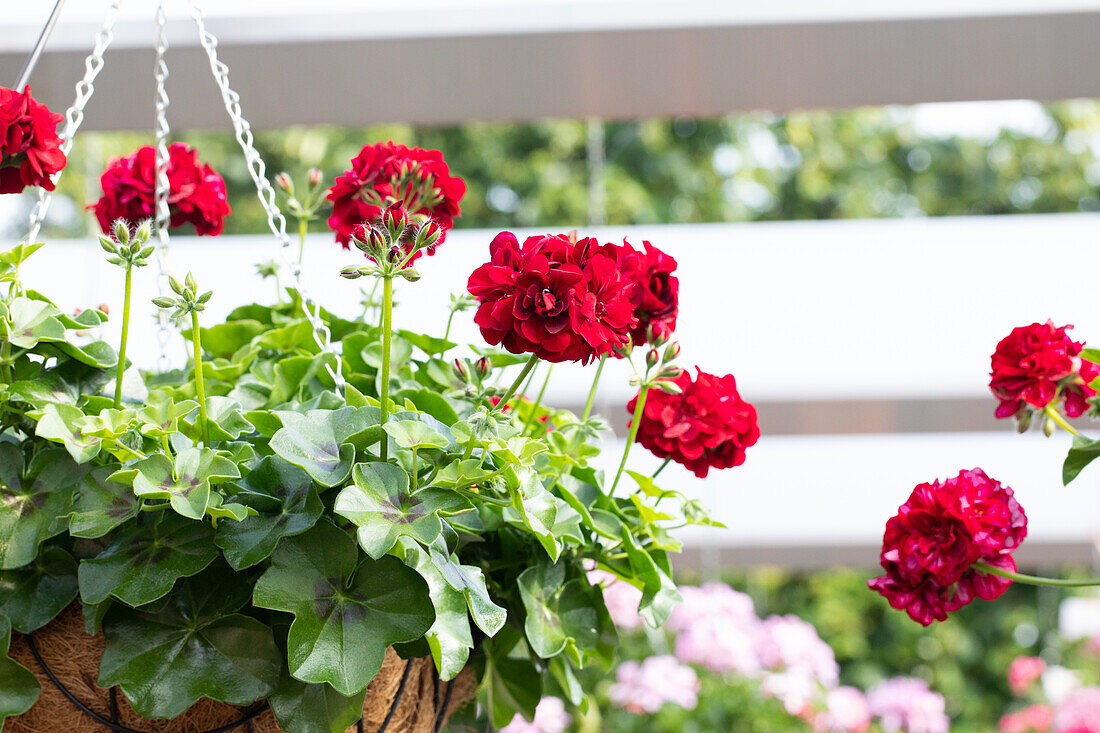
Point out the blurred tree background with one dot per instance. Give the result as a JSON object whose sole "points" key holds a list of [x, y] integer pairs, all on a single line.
{"points": [[874, 162]]}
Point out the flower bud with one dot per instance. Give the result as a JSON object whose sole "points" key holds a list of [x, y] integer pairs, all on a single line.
{"points": [[458, 366], [623, 351], [657, 335], [396, 220], [1048, 427], [315, 177], [672, 351], [411, 274], [483, 366], [108, 245], [191, 283], [284, 183], [378, 241], [176, 285], [429, 235], [668, 387], [144, 230], [122, 231], [670, 371], [652, 357], [351, 272], [163, 302], [1023, 421]]}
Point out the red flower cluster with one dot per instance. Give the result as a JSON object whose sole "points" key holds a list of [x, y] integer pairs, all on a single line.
{"points": [[386, 173], [30, 149], [938, 534], [196, 194], [558, 299], [1038, 364], [656, 294], [708, 425]]}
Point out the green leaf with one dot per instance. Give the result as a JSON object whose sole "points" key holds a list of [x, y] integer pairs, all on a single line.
{"points": [[225, 419], [659, 594], [162, 414], [195, 646], [20, 253], [1083, 452], [559, 613], [449, 638], [411, 434], [1092, 355], [185, 482], [323, 442], [346, 611], [98, 354], [30, 321], [31, 596], [225, 339], [509, 686], [146, 558], [535, 509], [431, 403], [297, 508], [470, 581], [61, 424], [428, 344], [33, 505], [18, 688], [380, 504], [306, 708]]}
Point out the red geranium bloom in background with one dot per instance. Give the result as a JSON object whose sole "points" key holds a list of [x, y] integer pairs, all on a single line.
{"points": [[558, 299], [1035, 365], [706, 426], [30, 148], [196, 194], [656, 295], [938, 534], [374, 181]]}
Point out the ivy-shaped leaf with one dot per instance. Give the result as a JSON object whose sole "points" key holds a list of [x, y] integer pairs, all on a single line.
{"points": [[381, 505], [18, 688], [470, 582], [509, 686], [659, 594], [185, 482], [146, 558], [61, 424], [162, 415], [224, 417], [30, 321], [31, 596], [410, 434], [428, 344], [306, 708], [449, 638], [346, 610], [33, 505], [535, 509], [1083, 452], [292, 507], [17, 255], [323, 442], [559, 613], [195, 646]]}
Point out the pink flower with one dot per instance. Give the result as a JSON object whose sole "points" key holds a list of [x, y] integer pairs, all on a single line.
{"points": [[789, 643], [645, 687], [846, 709], [720, 645], [907, 705], [550, 717], [711, 600], [1079, 712], [1024, 671], [795, 689], [621, 599], [1034, 719]]}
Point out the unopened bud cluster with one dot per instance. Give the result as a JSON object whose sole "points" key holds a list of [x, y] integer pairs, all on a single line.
{"points": [[392, 243], [189, 300], [660, 372], [472, 373], [128, 249], [312, 196]]}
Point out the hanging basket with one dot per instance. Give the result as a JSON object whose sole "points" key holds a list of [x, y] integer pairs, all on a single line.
{"points": [[405, 697]]}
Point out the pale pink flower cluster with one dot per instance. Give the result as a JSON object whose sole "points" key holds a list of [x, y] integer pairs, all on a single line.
{"points": [[1032, 719], [788, 643], [645, 687], [905, 704], [1023, 672], [846, 710], [550, 717], [1079, 712]]}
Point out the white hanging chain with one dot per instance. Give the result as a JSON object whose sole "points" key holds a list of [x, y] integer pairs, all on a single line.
{"points": [[275, 219], [162, 215], [74, 116]]}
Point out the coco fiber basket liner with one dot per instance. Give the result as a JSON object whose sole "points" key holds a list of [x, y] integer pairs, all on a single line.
{"points": [[405, 697]]}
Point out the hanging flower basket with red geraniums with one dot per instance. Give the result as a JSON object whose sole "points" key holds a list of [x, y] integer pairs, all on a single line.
{"points": [[30, 148], [360, 535]]}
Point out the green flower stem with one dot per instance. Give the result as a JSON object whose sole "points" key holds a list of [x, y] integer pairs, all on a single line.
{"points": [[303, 226], [532, 418], [5, 361], [634, 423], [1035, 579], [125, 337], [200, 386], [592, 392], [531, 363], [387, 325], [447, 333], [662, 467], [1053, 414]]}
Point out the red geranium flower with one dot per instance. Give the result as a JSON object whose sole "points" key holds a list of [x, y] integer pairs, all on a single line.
{"points": [[656, 294], [706, 426], [386, 173], [30, 148], [929, 548], [559, 299], [1036, 365], [196, 194]]}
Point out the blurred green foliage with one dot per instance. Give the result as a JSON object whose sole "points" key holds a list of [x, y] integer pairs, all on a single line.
{"points": [[874, 162]]}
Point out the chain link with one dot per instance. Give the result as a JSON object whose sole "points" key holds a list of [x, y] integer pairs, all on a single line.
{"points": [[74, 115], [256, 167], [161, 189]]}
